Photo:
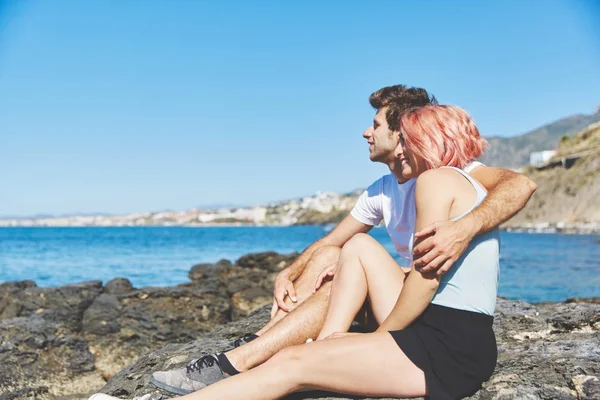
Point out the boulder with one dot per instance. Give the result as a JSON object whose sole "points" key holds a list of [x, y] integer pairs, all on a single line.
{"points": [[118, 286], [205, 271], [546, 351], [68, 340], [38, 356], [9, 308], [63, 305], [270, 261]]}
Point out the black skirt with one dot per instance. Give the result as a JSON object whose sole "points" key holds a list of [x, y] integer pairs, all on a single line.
{"points": [[456, 350]]}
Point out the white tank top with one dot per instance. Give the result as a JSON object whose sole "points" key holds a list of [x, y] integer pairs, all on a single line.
{"points": [[472, 282]]}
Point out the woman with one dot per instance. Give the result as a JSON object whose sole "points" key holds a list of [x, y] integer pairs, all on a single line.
{"points": [[435, 336]]}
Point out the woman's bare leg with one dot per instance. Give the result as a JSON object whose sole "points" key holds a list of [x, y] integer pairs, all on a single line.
{"points": [[365, 268], [365, 365]]}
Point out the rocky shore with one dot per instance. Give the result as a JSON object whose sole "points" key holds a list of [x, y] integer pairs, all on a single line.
{"points": [[67, 342]]}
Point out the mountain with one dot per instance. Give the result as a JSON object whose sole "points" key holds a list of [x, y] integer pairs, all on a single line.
{"points": [[513, 152], [567, 192]]}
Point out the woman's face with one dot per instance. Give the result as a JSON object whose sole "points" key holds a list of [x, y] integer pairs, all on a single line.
{"points": [[411, 165]]}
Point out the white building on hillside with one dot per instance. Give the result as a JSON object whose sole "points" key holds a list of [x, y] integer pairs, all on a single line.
{"points": [[539, 158]]}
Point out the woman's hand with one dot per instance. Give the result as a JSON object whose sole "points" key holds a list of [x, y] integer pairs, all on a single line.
{"points": [[327, 273]]}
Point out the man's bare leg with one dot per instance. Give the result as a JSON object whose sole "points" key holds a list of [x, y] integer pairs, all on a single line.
{"points": [[305, 284], [287, 329]]}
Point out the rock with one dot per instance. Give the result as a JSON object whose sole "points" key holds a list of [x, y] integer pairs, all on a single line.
{"points": [[65, 342], [594, 300], [587, 387], [107, 328], [102, 317], [270, 261], [36, 353], [248, 300], [118, 286], [203, 271], [63, 305], [540, 355], [8, 291]]}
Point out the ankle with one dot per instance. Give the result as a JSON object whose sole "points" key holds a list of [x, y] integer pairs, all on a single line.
{"points": [[236, 360], [226, 365]]}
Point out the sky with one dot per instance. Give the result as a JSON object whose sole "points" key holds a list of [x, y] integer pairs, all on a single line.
{"points": [[124, 106]]}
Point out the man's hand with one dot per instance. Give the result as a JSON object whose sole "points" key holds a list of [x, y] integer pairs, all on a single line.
{"points": [[283, 287], [443, 244], [327, 273]]}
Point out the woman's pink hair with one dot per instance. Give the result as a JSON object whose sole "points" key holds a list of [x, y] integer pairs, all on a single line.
{"points": [[441, 135]]}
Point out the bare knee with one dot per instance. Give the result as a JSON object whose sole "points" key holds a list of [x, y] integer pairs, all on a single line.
{"points": [[358, 241], [320, 259], [323, 257], [294, 356], [289, 362]]}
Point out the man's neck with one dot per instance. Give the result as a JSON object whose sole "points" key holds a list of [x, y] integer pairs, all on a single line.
{"points": [[401, 179]]}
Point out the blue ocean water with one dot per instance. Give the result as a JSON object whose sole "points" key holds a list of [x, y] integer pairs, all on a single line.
{"points": [[534, 267]]}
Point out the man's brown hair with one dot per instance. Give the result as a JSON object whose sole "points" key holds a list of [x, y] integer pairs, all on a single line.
{"points": [[397, 99]]}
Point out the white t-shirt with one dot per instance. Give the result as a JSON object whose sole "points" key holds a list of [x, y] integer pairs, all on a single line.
{"points": [[394, 203]]}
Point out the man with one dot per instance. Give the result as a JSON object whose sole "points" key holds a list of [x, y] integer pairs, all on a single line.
{"points": [[301, 291]]}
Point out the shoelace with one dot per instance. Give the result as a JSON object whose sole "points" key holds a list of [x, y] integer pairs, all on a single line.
{"points": [[204, 362], [240, 341]]}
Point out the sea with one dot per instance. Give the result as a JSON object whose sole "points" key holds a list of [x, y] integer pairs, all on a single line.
{"points": [[534, 267]]}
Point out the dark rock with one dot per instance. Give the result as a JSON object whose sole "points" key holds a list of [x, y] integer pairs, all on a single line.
{"points": [[26, 392], [587, 387], [118, 286], [135, 378], [36, 353], [63, 305], [73, 338], [593, 300], [12, 287], [540, 356], [9, 308], [248, 300], [270, 261], [203, 271], [102, 317]]}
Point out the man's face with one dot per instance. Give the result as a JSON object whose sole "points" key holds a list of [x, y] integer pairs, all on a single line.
{"points": [[382, 142]]}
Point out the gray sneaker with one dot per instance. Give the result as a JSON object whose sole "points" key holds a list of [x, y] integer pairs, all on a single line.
{"points": [[196, 375]]}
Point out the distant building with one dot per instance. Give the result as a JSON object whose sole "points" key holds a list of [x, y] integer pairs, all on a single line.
{"points": [[539, 158]]}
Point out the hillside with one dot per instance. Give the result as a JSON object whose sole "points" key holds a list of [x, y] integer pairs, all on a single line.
{"points": [[567, 194], [513, 152]]}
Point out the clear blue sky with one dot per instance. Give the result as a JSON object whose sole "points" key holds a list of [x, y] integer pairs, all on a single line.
{"points": [[122, 106]]}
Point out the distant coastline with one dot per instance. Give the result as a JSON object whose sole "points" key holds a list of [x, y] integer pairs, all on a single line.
{"points": [[541, 227], [565, 201]]}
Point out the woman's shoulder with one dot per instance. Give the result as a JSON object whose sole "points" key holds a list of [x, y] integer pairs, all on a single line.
{"points": [[440, 186], [439, 176]]}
